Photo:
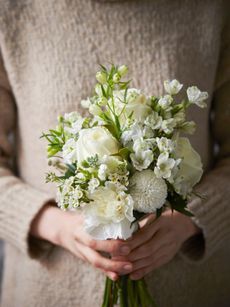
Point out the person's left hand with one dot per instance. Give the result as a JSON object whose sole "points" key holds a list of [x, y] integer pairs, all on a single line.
{"points": [[157, 241]]}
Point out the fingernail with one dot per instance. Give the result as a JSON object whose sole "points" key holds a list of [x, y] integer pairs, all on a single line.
{"points": [[127, 267], [125, 250]]}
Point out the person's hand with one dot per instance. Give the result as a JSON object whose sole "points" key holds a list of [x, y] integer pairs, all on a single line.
{"points": [[157, 241], [66, 229]]}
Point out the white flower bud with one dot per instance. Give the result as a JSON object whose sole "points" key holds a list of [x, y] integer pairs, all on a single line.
{"points": [[122, 70], [116, 78], [101, 77]]}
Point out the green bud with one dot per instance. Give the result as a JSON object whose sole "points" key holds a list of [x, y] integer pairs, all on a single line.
{"points": [[116, 78], [122, 70], [101, 77]]}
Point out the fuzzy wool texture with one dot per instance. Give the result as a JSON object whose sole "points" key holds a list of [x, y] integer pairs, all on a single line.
{"points": [[50, 51]]}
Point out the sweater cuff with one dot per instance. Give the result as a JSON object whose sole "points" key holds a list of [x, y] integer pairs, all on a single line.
{"points": [[212, 215], [20, 203]]}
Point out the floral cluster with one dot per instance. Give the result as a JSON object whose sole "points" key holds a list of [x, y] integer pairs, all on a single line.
{"points": [[127, 156]]}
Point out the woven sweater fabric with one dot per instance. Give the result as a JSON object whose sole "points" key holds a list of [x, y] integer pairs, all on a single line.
{"points": [[50, 51]]}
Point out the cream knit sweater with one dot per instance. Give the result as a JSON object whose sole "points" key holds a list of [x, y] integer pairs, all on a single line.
{"points": [[50, 51]]}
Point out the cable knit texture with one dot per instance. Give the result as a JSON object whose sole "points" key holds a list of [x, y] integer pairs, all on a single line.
{"points": [[50, 51]]}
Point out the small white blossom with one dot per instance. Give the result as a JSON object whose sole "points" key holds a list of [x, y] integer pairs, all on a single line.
{"points": [[69, 151], [196, 96], [101, 77], [188, 127], [72, 117], [135, 132], [168, 125], [154, 121], [102, 172], [94, 109], [165, 101], [85, 103], [179, 117], [142, 159], [93, 184], [165, 144], [164, 166], [172, 87]]}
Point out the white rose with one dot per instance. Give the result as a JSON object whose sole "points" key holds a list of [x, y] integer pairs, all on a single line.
{"points": [[172, 87], [196, 96], [190, 168], [96, 140], [148, 192], [137, 104]]}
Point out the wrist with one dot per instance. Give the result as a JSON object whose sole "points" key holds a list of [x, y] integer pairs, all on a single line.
{"points": [[46, 223]]}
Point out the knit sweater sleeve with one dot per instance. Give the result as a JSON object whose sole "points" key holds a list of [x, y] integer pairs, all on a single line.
{"points": [[212, 214], [19, 202]]}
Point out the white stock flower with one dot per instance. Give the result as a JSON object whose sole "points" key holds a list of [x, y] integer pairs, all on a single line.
{"points": [[196, 96], [85, 103], [148, 192], [165, 101], [179, 117], [188, 127], [109, 215], [69, 151], [96, 140], [164, 166], [165, 144], [190, 168], [153, 121], [172, 87]]}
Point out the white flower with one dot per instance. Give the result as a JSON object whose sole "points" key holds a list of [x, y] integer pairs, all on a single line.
{"points": [[164, 166], [165, 144], [142, 159], [148, 192], [154, 121], [109, 215], [168, 125], [72, 117], [190, 168], [93, 184], [94, 109], [69, 151], [165, 101], [134, 132], [136, 104], [196, 96], [96, 140], [172, 87], [102, 171], [85, 103]]}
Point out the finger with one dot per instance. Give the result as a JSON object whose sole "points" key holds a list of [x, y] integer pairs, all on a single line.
{"points": [[143, 235], [112, 275], [140, 273], [115, 247], [147, 219], [105, 264], [150, 248]]}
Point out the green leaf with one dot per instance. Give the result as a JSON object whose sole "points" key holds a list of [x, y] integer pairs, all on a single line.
{"points": [[124, 153]]}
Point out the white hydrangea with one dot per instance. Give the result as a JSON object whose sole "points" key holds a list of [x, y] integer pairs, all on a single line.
{"points": [[172, 87], [148, 192], [196, 96]]}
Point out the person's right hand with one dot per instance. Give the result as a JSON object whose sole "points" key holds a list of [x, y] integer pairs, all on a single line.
{"points": [[66, 230]]}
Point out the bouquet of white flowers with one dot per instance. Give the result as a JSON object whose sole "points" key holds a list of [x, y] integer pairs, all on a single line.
{"points": [[125, 160]]}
